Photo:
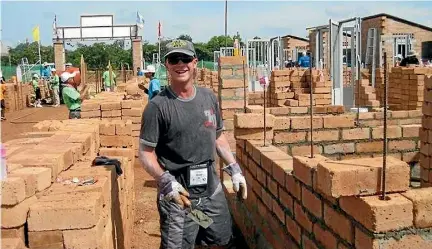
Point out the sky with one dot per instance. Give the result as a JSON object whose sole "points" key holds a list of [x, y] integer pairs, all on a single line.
{"points": [[199, 19]]}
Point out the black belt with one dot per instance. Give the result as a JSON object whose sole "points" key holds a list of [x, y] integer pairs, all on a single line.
{"points": [[76, 110]]}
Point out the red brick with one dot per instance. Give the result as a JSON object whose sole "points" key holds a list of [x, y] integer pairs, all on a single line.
{"points": [[324, 236], [13, 190], [12, 243], [411, 130], [267, 158], [302, 218], [421, 199], [304, 167], [307, 243], [293, 186], [266, 198], [332, 135], [111, 114], [46, 239], [278, 211], [401, 145], [282, 123], [305, 150], [272, 186], [116, 141], [304, 123], [107, 106], [289, 137], [392, 132], [377, 215], [280, 168], [399, 114], [361, 176], [339, 121], [232, 83], [338, 223], [354, 134], [286, 199], [343, 148], [16, 216], [90, 106], [232, 104], [252, 120], [312, 202], [128, 104], [365, 147], [106, 128], [261, 176], [133, 112], [293, 229]]}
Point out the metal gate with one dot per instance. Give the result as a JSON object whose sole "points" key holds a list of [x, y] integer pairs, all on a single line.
{"points": [[336, 70], [216, 55], [276, 53], [258, 52]]}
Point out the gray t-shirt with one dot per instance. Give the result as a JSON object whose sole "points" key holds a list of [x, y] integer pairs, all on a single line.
{"points": [[183, 133]]}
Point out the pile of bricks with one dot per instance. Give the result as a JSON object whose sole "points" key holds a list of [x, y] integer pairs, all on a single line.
{"points": [[336, 136], [426, 135], [291, 88], [296, 110], [17, 96], [305, 202], [44, 206], [256, 98], [366, 95], [214, 81]]}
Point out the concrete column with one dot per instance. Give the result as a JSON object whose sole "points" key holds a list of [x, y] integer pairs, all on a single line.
{"points": [[59, 55], [137, 54]]}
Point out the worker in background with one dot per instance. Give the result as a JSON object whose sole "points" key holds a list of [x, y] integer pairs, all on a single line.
{"points": [[304, 60], [37, 91], [71, 97], [107, 80], [46, 71], [154, 85], [181, 129], [2, 92], [398, 59], [55, 86], [139, 72], [410, 59]]}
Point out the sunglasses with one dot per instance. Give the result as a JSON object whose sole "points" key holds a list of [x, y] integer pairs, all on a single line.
{"points": [[173, 60]]}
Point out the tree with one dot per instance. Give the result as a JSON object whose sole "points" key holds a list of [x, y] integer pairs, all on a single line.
{"points": [[216, 42], [185, 37]]}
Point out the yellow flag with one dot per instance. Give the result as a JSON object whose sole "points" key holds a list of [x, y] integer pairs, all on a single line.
{"points": [[36, 36]]}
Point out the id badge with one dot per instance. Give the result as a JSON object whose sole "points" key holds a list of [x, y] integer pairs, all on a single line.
{"points": [[198, 175]]}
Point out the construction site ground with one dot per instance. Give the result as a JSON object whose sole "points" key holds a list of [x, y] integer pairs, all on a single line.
{"points": [[146, 230]]}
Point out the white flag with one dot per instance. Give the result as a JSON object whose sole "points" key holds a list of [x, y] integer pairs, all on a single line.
{"points": [[140, 20]]}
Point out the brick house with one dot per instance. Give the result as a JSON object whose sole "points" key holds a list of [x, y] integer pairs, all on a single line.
{"points": [[388, 25], [293, 44]]}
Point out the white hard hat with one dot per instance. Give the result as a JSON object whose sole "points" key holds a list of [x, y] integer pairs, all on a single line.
{"points": [[150, 69], [35, 76], [53, 70], [304, 53], [66, 75], [1, 74], [45, 63]]}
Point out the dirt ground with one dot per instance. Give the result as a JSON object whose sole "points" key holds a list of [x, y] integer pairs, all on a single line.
{"points": [[146, 232]]}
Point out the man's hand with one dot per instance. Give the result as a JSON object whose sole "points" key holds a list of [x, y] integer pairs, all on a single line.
{"points": [[170, 190], [238, 180]]}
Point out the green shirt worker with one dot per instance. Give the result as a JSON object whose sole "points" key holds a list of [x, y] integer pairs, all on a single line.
{"points": [[71, 97], [55, 84], [107, 80]]}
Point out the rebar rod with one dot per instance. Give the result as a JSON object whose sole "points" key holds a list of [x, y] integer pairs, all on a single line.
{"points": [[311, 109], [383, 180]]}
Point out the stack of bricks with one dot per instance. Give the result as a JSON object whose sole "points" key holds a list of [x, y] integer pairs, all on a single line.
{"points": [[16, 96], [296, 110], [365, 95], [405, 87], [256, 98], [426, 135], [43, 206], [231, 92], [336, 136], [305, 202], [291, 88], [214, 81]]}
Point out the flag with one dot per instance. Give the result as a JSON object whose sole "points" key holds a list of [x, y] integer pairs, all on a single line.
{"points": [[36, 36], [159, 29], [54, 26], [140, 20]]}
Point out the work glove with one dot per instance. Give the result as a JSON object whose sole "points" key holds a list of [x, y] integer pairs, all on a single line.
{"points": [[237, 178], [171, 190]]}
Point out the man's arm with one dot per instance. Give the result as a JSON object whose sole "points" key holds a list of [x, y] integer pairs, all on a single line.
{"points": [[149, 161], [223, 150]]}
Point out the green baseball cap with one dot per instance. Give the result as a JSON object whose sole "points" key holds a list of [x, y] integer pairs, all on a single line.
{"points": [[180, 46]]}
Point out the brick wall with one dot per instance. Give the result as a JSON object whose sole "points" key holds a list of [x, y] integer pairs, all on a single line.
{"points": [[290, 87], [425, 156], [59, 55], [337, 136], [290, 43], [304, 202], [137, 54], [42, 207]]}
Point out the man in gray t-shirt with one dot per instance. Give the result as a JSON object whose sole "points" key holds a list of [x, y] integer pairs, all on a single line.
{"points": [[181, 131]]}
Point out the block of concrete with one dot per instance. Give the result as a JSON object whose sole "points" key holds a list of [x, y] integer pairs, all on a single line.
{"points": [[378, 215], [422, 201], [16, 216], [13, 190], [69, 211], [361, 176]]}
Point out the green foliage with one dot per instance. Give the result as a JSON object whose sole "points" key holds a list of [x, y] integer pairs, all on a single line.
{"points": [[98, 54]]}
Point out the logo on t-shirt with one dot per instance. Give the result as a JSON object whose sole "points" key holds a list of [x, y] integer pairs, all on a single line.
{"points": [[211, 119]]}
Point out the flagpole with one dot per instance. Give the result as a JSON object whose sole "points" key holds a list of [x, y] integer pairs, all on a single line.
{"points": [[159, 38]]}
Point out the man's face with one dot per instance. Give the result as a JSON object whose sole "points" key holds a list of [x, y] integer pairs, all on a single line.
{"points": [[181, 67]]}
